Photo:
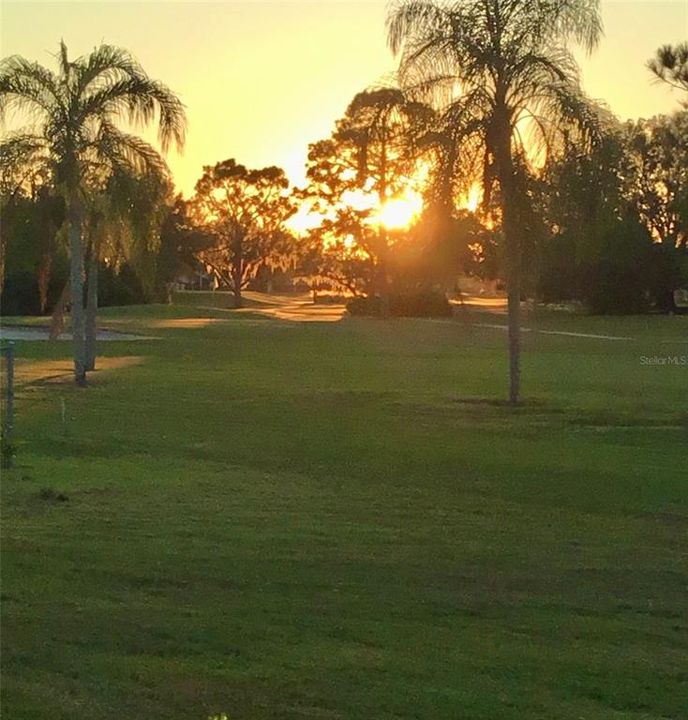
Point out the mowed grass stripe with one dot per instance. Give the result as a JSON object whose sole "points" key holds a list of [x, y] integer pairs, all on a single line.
{"points": [[284, 520]]}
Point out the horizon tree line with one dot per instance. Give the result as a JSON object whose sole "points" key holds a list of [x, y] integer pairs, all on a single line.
{"points": [[520, 127]]}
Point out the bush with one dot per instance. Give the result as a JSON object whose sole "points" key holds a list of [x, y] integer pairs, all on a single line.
{"points": [[370, 306], [622, 271], [419, 303], [20, 294], [422, 303], [618, 282], [120, 287], [559, 274]]}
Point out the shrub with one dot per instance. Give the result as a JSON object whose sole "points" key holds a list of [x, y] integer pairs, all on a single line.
{"points": [[620, 271], [370, 306], [421, 303], [417, 303], [618, 281], [120, 287]]}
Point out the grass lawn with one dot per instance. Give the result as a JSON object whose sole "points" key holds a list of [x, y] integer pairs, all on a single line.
{"points": [[274, 519]]}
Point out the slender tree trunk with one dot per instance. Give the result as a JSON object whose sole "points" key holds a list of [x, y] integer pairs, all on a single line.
{"points": [[507, 181], [238, 269], [76, 277], [3, 252], [57, 319], [514, 314], [382, 279], [44, 269], [237, 281], [383, 256], [91, 309]]}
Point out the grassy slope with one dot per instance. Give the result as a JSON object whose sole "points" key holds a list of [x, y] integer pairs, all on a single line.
{"points": [[280, 520]]}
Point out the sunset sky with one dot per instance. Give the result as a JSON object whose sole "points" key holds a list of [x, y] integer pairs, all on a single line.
{"points": [[263, 79]]}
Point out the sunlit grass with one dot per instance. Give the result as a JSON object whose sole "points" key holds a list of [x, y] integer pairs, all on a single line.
{"points": [[274, 519], [33, 372]]}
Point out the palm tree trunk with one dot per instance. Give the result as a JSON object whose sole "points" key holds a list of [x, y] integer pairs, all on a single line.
{"points": [[91, 309], [76, 276], [507, 182], [514, 312]]}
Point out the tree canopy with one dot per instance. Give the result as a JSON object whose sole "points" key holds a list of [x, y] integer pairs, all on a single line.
{"points": [[72, 141], [506, 70], [245, 212]]}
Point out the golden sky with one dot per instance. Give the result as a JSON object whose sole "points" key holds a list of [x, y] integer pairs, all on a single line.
{"points": [[263, 79]]}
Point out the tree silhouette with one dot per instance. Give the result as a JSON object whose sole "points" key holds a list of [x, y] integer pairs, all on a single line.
{"points": [[245, 211], [73, 137], [122, 221], [670, 65], [659, 176], [366, 163], [504, 66], [181, 240]]}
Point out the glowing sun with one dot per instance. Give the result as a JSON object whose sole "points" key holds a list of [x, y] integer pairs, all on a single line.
{"points": [[400, 212]]}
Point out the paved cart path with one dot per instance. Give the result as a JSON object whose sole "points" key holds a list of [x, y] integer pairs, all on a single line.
{"points": [[25, 332]]}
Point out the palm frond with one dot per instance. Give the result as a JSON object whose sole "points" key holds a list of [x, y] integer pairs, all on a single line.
{"points": [[409, 20], [23, 157], [140, 100], [104, 65], [127, 152], [29, 88], [479, 57]]}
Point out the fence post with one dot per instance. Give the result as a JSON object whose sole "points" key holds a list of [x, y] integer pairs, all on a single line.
{"points": [[8, 419]]}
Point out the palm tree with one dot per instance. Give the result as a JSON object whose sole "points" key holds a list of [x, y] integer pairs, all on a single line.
{"points": [[72, 133], [505, 69], [122, 222]]}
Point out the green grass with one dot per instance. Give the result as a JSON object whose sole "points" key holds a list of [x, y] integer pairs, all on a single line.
{"points": [[282, 520]]}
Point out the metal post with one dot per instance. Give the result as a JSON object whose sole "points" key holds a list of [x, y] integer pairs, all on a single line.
{"points": [[8, 420], [10, 389]]}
